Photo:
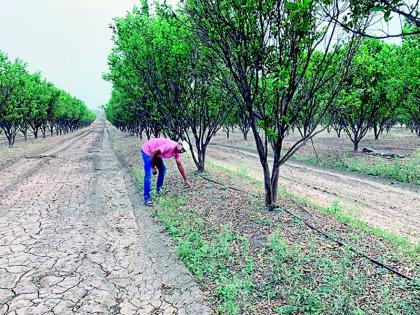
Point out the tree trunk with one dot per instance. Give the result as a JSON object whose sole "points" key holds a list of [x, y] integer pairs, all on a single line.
{"points": [[376, 131], [356, 145], [199, 153], [275, 182], [269, 191], [36, 133], [148, 134], [270, 194], [11, 140], [338, 132], [201, 160], [10, 135]]}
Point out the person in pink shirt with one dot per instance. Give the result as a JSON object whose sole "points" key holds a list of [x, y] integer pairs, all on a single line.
{"points": [[153, 152]]}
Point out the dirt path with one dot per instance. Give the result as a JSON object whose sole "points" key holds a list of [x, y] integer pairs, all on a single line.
{"points": [[75, 239], [392, 207]]}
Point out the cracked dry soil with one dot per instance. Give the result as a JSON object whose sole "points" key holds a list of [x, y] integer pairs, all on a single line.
{"points": [[75, 238]]}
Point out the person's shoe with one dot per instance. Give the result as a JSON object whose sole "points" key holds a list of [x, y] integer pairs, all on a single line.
{"points": [[149, 203]]}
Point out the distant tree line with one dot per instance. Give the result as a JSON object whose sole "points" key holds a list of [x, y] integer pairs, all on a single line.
{"points": [[268, 67], [30, 104]]}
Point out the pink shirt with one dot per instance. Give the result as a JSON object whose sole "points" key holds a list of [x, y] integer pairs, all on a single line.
{"points": [[166, 146]]}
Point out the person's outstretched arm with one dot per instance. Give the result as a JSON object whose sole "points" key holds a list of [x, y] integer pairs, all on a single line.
{"points": [[182, 171]]}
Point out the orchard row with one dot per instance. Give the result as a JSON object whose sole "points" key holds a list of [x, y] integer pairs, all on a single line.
{"points": [[30, 104], [269, 67]]}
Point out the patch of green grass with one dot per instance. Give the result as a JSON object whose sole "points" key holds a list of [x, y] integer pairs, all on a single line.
{"points": [[264, 221], [337, 211], [328, 286], [230, 290], [138, 174], [342, 215], [327, 290], [335, 208], [207, 250], [243, 171], [405, 170], [220, 257]]}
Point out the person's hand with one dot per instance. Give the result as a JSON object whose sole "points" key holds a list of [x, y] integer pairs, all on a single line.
{"points": [[154, 170], [187, 184]]}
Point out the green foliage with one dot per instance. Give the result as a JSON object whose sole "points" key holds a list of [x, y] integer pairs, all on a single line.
{"points": [[277, 73], [335, 208], [269, 67], [409, 74], [385, 9], [29, 101], [165, 82], [372, 92]]}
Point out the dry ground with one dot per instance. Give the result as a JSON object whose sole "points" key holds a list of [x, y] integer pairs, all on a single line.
{"points": [[252, 261], [399, 141], [31, 147], [75, 238], [382, 203]]}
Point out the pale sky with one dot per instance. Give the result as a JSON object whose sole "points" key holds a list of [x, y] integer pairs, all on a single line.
{"points": [[67, 40]]}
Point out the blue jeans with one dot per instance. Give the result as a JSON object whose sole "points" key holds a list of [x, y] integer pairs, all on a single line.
{"points": [[147, 162]]}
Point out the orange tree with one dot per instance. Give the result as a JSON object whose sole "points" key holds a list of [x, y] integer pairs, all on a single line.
{"points": [[268, 49]]}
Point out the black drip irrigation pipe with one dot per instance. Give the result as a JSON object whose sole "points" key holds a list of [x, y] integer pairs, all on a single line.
{"points": [[324, 234]]}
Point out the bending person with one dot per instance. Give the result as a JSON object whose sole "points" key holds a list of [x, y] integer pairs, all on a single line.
{"points": [[153, 152]]}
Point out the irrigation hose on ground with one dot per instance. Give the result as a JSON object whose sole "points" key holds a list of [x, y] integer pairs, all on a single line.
{"points": [[324, 234]]}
